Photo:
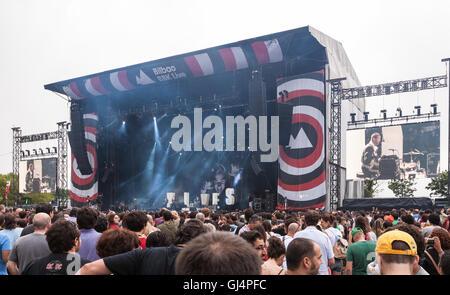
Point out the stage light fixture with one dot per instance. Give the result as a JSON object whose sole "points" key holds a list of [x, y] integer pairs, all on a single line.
{"points": [[48, 150], [399, 112], [417, 110], [406, 87], [22, 153], [123, 122], [55, 149], [384, 114], [28, 153], [434, 107], [353, 115], [366, 116], [41, 151]]}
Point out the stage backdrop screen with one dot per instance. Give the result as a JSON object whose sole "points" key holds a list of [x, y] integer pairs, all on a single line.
{"points": [[37, 176], [394, 152]]}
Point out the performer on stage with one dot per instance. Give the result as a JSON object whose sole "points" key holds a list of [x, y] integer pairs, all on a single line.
{"points": [[371, 157], [29, 178]]}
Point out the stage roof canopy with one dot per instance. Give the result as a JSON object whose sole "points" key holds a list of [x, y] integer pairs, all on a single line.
{"points": [[289, 52]]}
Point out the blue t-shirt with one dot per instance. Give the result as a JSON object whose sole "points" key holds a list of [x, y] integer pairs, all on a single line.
{"points": [[5, 245], [12, 234]]}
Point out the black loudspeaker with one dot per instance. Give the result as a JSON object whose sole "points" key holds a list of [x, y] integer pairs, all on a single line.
{"points": [[77, 139], [285, 120], [257, 95], [269, 201]]}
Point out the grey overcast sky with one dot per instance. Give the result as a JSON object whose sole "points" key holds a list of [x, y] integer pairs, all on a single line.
{"points": [[52, 40]]}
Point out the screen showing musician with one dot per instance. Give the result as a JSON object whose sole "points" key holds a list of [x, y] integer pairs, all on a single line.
{"points": [[370, 159]]}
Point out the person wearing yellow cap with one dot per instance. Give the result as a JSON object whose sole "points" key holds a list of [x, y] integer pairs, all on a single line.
{"points": [[396, 253]]}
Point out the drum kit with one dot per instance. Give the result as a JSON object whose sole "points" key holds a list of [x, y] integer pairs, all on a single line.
{"points": [[392, 167]]}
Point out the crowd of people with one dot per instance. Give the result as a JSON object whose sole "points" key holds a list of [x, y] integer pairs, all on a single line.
{"points": [[87, 241]]}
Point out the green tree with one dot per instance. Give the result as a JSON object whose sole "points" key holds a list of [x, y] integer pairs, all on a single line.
{"points": [[438, 185], [402, 188], [370, 187], [40, 197]]}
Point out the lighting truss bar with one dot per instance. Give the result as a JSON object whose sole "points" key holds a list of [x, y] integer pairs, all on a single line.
{"points": [[395, 87], [362, 124], [44, 155], [39, 137]]}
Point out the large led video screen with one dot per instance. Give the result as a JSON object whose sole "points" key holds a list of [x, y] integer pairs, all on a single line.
{"points": [[37, 176], [407, 151]]}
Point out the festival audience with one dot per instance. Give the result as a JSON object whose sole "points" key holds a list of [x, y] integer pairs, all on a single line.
{"points": [[63, 238], [41, 207], [434, 221], [436, 244], [148, 261], [256, 239], [10, 229], [303, 257], [136, 222], [86, 220], [170, 223], [396, 253], [311, 232], [276, 253], [158, 239], [113, 220], [31, 246], [218, 253], [359, 254], [116, 241]]}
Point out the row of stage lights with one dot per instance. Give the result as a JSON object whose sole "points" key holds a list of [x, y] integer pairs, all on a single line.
{"points": [[50, 151], [399, 113]]}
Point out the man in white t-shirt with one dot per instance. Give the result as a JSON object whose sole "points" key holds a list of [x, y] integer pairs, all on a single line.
{"points": [[286, 239], [311, 232]]}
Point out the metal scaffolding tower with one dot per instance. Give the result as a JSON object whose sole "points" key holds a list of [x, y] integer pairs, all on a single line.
{"points": [[17, 147], [62, 152], [61, 180], [335, 142], [338, 94]]}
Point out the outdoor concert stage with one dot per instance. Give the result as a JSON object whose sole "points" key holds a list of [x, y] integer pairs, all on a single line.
{"points": [[128, 116]]}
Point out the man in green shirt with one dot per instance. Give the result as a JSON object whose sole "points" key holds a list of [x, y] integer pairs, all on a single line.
{"points": [[359, 254], [170, 225]]}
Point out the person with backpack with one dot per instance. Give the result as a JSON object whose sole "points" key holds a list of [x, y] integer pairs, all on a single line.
{"points": [[329, 227]]}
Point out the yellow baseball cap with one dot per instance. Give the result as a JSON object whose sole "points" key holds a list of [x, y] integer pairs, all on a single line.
{"points": [[384, 243]]}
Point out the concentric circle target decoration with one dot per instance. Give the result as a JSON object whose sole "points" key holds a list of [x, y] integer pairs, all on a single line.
{"points": [[301, 164], [85, 187]]}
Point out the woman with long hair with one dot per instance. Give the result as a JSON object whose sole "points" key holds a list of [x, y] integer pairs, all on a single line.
{"points": [[113, 220], [378, 227], [363, 223]]}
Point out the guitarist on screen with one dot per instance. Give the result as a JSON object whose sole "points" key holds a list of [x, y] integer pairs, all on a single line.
{"points": [[371, 157]]}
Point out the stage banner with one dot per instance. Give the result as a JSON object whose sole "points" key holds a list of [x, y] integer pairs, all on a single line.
{"points": [[85, 187], [301, 163]]}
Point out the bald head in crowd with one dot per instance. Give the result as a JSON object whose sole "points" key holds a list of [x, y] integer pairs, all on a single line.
{"points": [[41, 222], [293, 228]]}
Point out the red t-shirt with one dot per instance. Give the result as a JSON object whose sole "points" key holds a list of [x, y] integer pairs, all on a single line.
{"points": [[142, 239], [114, 226]]}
